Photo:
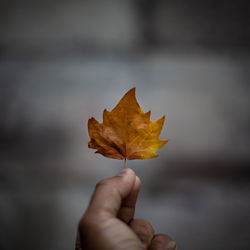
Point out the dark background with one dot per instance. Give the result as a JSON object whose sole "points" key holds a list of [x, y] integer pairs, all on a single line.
{"points": [[62, 62]]}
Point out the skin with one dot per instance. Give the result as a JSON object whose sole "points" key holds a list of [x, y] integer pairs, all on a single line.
{"points": [[109, 224]]}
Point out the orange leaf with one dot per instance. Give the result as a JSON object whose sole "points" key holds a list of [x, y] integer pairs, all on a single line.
{"points": [[126, 131]]}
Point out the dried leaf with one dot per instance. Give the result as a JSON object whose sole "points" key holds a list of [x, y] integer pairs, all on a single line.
{"points": [[126, 131]]}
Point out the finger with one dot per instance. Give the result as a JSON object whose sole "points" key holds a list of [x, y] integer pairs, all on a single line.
{"points": [[127, 210], [78, 245], [162, 242], [143, 230], [109, 193]]}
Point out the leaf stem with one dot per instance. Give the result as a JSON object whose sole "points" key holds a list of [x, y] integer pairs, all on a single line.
{"points": [[125, 163]]}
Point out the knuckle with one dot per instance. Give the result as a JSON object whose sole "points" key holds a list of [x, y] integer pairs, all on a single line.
{"points": [[109, 186], [142, 227], [83, 224], [160, 240], [86, 224], [101, 183], [138, 180]]}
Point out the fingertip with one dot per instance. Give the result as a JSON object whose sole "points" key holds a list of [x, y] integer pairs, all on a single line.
{"points": [[127, 176], [162, 241], [126, 172], [138, 180], [137, 184]]}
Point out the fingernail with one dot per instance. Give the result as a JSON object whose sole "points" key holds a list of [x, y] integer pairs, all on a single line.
{"points": [[172, 245], [123, 172]]}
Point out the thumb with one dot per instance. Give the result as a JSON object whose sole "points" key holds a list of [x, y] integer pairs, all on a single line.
{"points": [[109, 193]]}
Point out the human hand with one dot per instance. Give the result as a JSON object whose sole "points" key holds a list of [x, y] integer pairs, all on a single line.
{"points": [[109, 224]]}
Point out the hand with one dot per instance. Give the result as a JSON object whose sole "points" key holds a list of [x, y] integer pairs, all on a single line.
{"points": [[109, 224]]}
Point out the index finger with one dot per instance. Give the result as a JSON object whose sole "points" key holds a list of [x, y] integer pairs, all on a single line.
{"points": [[127, 210], [109, 193]]}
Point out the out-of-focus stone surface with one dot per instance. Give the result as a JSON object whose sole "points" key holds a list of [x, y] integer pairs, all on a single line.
{"points": [[62, 62]]}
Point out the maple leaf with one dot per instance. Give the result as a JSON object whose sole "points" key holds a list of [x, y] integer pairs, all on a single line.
{"points": [[126, 131]]}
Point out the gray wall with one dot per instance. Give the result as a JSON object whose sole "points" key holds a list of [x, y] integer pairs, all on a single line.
{"points": [[62, 62]]}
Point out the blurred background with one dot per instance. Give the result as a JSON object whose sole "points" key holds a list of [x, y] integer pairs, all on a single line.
{"points": [[62, 62]]}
